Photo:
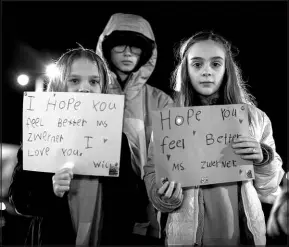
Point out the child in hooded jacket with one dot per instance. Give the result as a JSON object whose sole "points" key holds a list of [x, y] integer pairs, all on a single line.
{"points": [[128, 46]]}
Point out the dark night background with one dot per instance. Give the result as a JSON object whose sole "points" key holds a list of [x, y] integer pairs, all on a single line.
{"points": [[34, 33]]}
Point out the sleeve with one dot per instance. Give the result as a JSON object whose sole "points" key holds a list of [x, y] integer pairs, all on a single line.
{"points": [[151, 186], [269, 173], [31, 193], [278, 217], [164, 101]]}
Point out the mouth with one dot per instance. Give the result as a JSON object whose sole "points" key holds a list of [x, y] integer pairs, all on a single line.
{"points": [[126, 62], [206, 82]]}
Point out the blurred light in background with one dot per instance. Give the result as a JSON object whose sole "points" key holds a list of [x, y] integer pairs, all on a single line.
{"points": [[8, 162], [2, 207], [39, 84], [51, 70], [23, 80]]}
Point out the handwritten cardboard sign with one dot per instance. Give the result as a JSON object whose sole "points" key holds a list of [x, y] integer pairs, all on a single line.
{"points": [[85, 129], [193, 144]]}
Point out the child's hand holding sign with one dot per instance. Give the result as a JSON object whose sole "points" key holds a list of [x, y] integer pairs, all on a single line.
{"points": [[171, 192], [62, 178]]}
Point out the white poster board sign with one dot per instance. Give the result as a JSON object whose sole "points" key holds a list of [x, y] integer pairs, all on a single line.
{"points": [[193, 144], [83, 128]]}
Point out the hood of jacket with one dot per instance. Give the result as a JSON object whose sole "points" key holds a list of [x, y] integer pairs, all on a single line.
{"points": [[141, 100], [133, 23]]}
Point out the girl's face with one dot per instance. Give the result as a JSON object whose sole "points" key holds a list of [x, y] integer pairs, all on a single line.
{"points": [[84, 77], [125, 58], [206, 66]]}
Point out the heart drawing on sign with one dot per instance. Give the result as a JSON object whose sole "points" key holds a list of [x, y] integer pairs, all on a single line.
{"points": [[168, 156]]}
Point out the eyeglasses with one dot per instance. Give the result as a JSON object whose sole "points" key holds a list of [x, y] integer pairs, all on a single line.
{"points": [[133, 49]]}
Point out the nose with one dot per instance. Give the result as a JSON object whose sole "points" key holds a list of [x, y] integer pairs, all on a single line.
{"points": [[206, 72], [84, 90], [84, 86], [127, 50]]}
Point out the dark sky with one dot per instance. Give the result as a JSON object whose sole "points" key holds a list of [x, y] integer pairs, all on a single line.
{"points": [[34, 33]]}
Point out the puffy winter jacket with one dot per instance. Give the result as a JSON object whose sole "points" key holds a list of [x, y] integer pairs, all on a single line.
{"points": [[140, 100], [183, 223]]}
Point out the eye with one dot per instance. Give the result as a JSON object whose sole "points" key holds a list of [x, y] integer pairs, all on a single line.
{"points": [[197, 65], [94, 81], [119, 48], [217, 64], [74, 80], [136, 50]]}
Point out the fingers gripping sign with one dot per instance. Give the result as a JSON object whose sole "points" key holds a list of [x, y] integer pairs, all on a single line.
{"points": [[248, 148], [171, 192], [62, 178]]}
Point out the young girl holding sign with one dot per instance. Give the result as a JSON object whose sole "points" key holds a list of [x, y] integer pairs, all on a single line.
{"points": [[74, 217], [228, 213]]}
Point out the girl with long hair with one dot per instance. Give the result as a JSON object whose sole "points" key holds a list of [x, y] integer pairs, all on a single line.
{"points": [[225, 213]]}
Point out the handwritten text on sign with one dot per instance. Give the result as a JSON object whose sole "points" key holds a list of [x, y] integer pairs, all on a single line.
{"points": [[193, 144], [78, 127]]}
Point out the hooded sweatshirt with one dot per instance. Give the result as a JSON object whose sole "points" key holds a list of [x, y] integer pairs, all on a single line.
{"points": [[140, 100]]}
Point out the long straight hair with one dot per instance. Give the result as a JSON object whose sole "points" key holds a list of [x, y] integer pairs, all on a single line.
{"points": [[233, 88], [58, 83]]}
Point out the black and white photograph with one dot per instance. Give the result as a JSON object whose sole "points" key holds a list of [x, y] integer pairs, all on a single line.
{"points": [[144, 123]]}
